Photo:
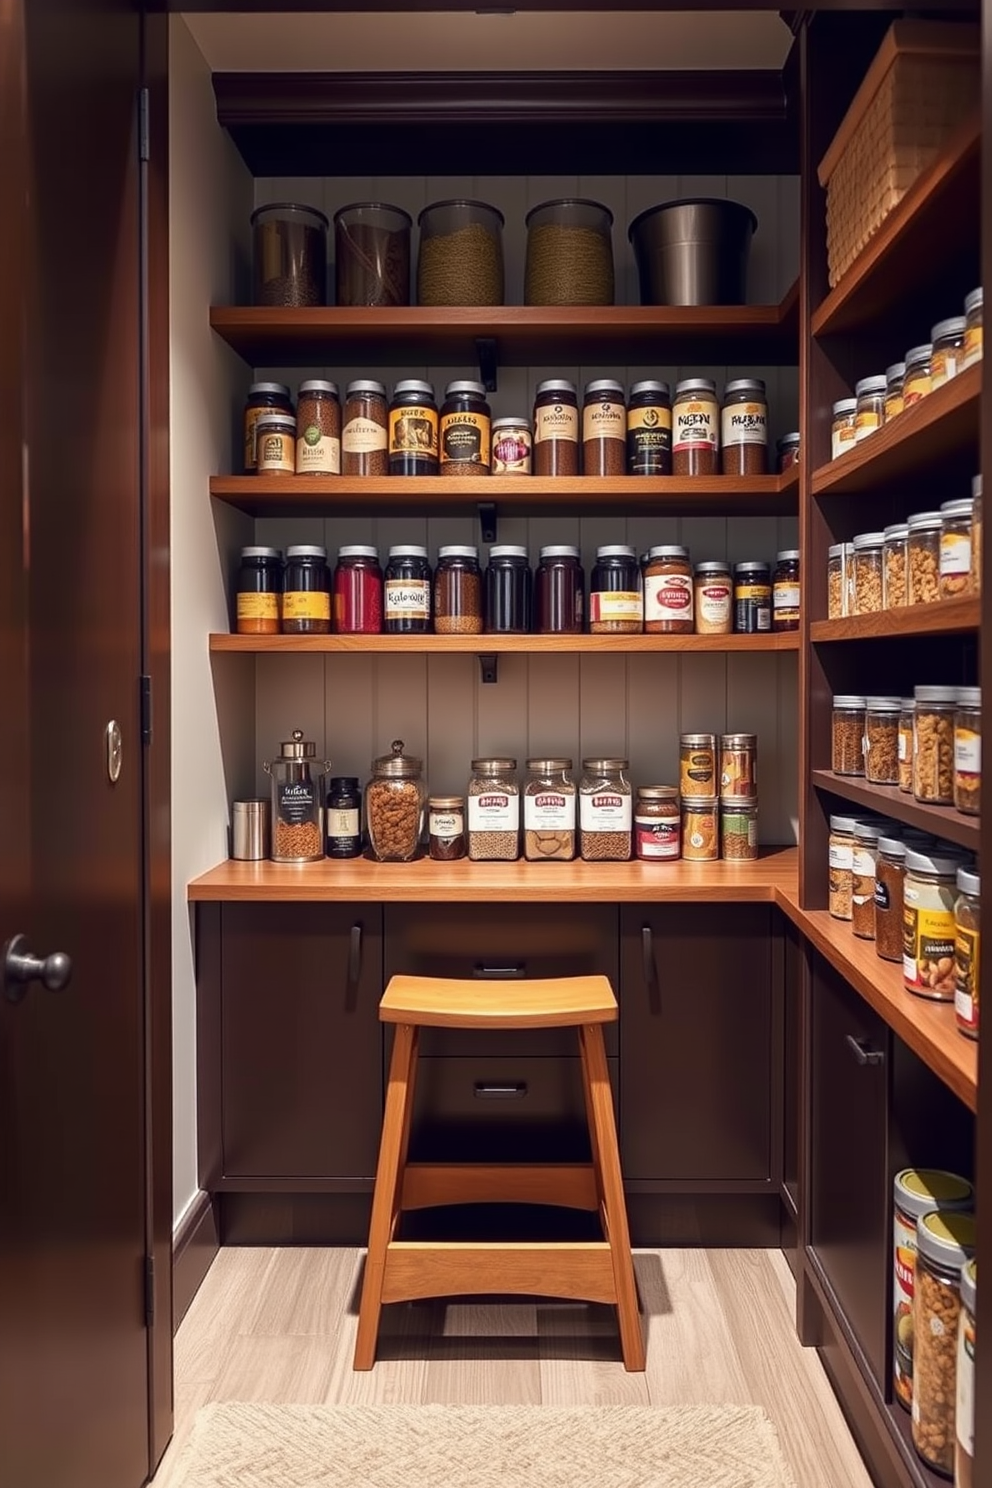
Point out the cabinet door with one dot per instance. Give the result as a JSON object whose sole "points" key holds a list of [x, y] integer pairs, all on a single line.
{"points": [[696, 995], [301, 1047]]}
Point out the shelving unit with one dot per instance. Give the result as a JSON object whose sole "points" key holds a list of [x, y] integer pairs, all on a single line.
{"points": [[889, 800], [502, 645], [947, 617]]}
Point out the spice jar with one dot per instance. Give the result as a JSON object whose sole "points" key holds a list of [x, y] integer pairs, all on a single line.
{"points": [[259, 594], [508, 591], [924, 557], [695, 428], [413, 429], [945, 1241], [893, 389], [700, 830], [549, 811], [967, 961], [556, 428], [357, 591], [296, 816], [275, 444], [787, 449], [870, 411], [840, 846], [342, 818], [863, 856], [968, 750], [407, 591], [955, 547], [976, 535], [394, 805], [512, 446], [744, 427], [649, 429], [605, 810], [446, 828], [916, 378], [916, 1191], [465, 430], [668, 591], [738, 767], [493, 811], [933, 744], [263, 397], [752, 598], [895, 566], [458, 591], [868, 572], [890, 870], [365, 432], [657, 824], [786, 591], [698, 766], [604, 428], [713, 595], [306, 599], [964, 1409], [616, 604], [972, 328], [882, 740], [847, 732], [947, 350], [928, 893], [318, 429], [842, 432], [836, 588], [907, 713], [738, 829], [559, 585]]}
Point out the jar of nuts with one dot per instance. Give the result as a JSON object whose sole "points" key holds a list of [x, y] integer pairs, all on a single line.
{"points": [[863, 860], [605, 810], [924, 557], [907, 712], [955, 547], [394, 805], [968, 751], [868, 572], [945, 1241], [297, 834], [933, 744], [841, 866], [493, 811], [882, 740], [549, 811], [929, 892], [915, 1192], [847, 732], [836, 592], [895, 560]]}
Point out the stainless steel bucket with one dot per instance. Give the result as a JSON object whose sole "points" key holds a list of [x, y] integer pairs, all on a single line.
{"points": [[693, 252]]}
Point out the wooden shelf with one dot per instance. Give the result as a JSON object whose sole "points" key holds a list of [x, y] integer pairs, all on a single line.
{"points": [[886, 273], [947, 617], [305, 495], [945, 423], [501, 645], [942, 821]]}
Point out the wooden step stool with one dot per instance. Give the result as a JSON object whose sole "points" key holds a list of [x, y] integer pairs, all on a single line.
{"points": [[401, 1270]]}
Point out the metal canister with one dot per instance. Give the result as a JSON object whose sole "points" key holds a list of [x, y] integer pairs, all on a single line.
{"points": [[738, 767], [697, 766]]}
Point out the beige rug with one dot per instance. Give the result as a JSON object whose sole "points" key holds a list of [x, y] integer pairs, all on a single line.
{"points": [[517, 1446]]}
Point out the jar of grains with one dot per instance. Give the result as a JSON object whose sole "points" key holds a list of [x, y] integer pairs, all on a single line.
{"points": [[976, 534], [318, 429], [296, 811], [933, 744], [964, 1409], [928, 893], [972, 328], [847, 733], [556, 428], [549, 811], [649, 429], [700, 830], [744, 427], [786, 591], [895, 566], [605, 815], [739, 767], [752, 598], [968, 751], [916, 1191], [890, 870], [263, 397], [916, 378], [306, 598], [967, 961], [275, 444], [657, 823], [407, 591], [882, 740], [445, 828], [668, 591], [559, 591], [787, 449], [868, 572], [343, 818], [738, 829], [604, 428], [508, 590], [365, 432], [289, 255], [357, 590], [907, 711], [924, 557], [458, 591], [465, 430], [835, 582], [713, 596], [698, 776], [569, 257], [413, 429], [947, 354], [259, 595], [870, 411], [893, 389], [695, 428], [493, 811], [842, 427], [461, 254], [394, 805], [955, 547], [512, 446], [616, 604], [945, 1241], [841, 864], [863, 856]]}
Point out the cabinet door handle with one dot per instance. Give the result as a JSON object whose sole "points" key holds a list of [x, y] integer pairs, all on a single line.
{"points": [[354, 967], [862, 1054], [650, 969], [509, 973], [510, 1090]]}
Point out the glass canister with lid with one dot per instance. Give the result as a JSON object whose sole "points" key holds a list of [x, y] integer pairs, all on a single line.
{"points": [[895, 565], [713, 597], [972, 328], [786, 590], [616, 604], [275, 444], [318, 429], [893, 389], [297, 835], [365, 431], [407, 590], [907, 713], [445, 828], [947, 353], [465, 430], [964, 1413], [968, 751], [916, 380], [494, 811], [924, 557], [863, 863], [259, 594], [915, 1192], [395, 797], [976, 534], [458, 591], [649, 429], [668, 591], [882, 740], [842, 430], [549, 811], [967, 940], [752, 598], [413, 429], [559, 591], [836, 586], [695, 428], [605, 811], [868, 572], [847, 732], [569, 256], [744, 427], [556, 428], [890, 870], [604, 428], [357, 590], [933, 744], [945, 1241], [955, 547], [929, 892], [306, 598], [870, 411], [263, 398], [508, 590], [841, 865]]}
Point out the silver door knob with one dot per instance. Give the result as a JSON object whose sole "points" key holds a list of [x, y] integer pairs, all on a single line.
{"points": [[19, 968]]}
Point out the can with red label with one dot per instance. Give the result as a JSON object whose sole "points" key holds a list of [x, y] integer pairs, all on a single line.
{"points": [[668, 591], [916, 1191]]}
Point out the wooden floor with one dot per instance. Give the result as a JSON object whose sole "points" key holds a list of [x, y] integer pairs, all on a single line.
{"points": [[279, 1326]]}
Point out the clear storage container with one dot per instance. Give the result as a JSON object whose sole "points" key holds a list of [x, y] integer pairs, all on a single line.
{"points": [[372, 254], [297, 817], [868, 572], [461, 254], [945, 1241], [895, 566], [289, 255], [569, 258], [924, 557], [395, 798]]}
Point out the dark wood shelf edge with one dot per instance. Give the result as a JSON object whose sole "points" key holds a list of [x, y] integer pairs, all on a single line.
{"points": [[942, 821], [945, 617]]}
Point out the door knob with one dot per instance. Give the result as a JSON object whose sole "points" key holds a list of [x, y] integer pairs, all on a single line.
{"points": [[19, 969]]}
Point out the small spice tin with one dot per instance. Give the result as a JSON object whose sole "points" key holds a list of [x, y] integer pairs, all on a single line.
{"points": [[446, 828], [698, 766], [512, 446]]}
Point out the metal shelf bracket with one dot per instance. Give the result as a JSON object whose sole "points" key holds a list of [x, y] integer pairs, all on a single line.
{"points": [[485, 350], [489, 666], [487, 521]]}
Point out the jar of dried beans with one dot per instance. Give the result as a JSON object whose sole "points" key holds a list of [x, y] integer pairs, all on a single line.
{"points": [[882, 740], [657, 823], [713, 598], [967, 961], [493, 811], [318, 429], [668, 591], [890, 870], [649, 429], [863, 856], [297, 836], [916, 1191], [924, 557], [738, 828], [744, 428], [604, 428], [947, 354], [465, 430], [928, 893], [616, 604], [841, 865], [968, 750], [695, 428], [955, 547], [945, 1241], [357, 591], [549, 811], [895, 566], [916, 380], [842, 427], [556, 428], [605, 811], [365, 432], [847, 732], [868, 572], [836, 609], [933, 744], [394, 805], [458, 591], [870, 411]]}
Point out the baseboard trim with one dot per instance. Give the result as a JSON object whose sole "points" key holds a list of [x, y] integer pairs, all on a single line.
{"points": [[194, 1246]]}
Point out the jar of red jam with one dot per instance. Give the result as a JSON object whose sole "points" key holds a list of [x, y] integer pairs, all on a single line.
{"points": [[358, 591]]}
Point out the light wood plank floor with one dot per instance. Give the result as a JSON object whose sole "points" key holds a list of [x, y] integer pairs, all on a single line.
{"points": [[279, 1325]]}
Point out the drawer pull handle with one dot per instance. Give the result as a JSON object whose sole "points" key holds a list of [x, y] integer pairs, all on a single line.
{"points": [[514, 1090], [862, 1054], [354, 967], [650, 969], [509, 973]]}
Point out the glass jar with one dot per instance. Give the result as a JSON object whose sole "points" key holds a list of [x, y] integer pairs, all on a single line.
{"points": [[343, 818], [556, 428], [752, 598], [668, 591], [461, 254], [695, 428], [465, 429], [394, 805], [840, 846], [916, 1191], [836, 587], [842, 431], [559, 585], [365, 432], [700, 830], [698, 773], [976, 534], [868, 572], [458, 591], [945, 1241], [890, 870], [786, 591], [863, 858], [649, 429], [744, 427], [604, 428], [318, 429], [263, 397], [508, 591], [357, 591], [306, 598], [275, 444], [657, 824], [289, 255], [713, 598], [916, 379], [907, 711], [407, 591], [968, 751], [738, 829], [569, 258], [493, 811], [549, 811], [972, 328], [738, 767], [787, 449], [955, 547], [870, 412], [947, 353], [964, 1411], [296, 815], [605, 815], [933, 744], [512, 447], [847, 733], [413, 429], [895, 566], [882, 740], [928, 925], [259, 595], [616, 604], [967, 961], [446, 828], [372, 254], [893, 390], [924, 557]]}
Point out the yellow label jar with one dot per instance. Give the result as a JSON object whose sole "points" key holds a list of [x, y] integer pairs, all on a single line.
{"points": [[967, 960], [700, 830], [929, 892], [842, 434], [972, 328], [947, 355], [870, 409], [916, 382]]}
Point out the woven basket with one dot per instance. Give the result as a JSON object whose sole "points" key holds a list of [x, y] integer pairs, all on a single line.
{"points": [[924, 82]]}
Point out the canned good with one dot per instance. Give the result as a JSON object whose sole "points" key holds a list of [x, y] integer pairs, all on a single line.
{"points": [[916, 1191], [738, 829], [700, 830], [697, 766], [738, 767]]}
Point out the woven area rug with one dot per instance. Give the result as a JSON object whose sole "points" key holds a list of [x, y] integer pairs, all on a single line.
{"points": [[439, 1446]]}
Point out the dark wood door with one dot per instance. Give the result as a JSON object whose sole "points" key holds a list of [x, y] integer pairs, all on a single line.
{"points": [[696, 1077], [74, 1378]]}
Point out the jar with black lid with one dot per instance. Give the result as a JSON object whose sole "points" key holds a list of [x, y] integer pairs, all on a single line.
{"points": [[560, 586], [752, 598], [649, 429], [257, 604], [457, 591], [744, 427], [604, 428], [695, 428], [306, 600], [343, 817], [508, 591], [466, 430], [616, 604], [365, 433], [413, 432], [556, 428], [786, 591], [263, 397], [407, 591]]}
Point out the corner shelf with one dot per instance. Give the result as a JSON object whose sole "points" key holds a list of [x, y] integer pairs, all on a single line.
{"points": [[942, 821], [946, 617], [501, 645]]}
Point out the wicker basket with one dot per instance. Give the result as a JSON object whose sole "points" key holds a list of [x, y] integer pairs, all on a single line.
{"points": [[924, 82]]}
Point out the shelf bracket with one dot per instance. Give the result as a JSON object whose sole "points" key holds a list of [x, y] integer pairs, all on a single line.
{"points": [[485, 350], [487, 521], [489, 666]]}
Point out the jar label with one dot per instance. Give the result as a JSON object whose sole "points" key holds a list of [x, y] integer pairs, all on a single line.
{"points": [[295, 803], [342, 821], [945, 364], [894, 405], [615, 604], [696, 772], [882, 897], [317, 453], [651, 421], [699, 836], [657, 839], [905, 743], [842, 439], [362, 436], [696, 424], [738, 772], [972, 346], [966, 973], [667, 597], [964, 1410], [841, 856], [549, 811], [605, 811], [258, 606], [605, 420], [252, 416], [446, 824], [968, 755], [740, 824], [494, 811], [309, 604], [903, 1287], [465, 439], [955, 554], [511, 452], [915, 387], [277, 452], [407, 599], [753, 607], [928, 948], [744, 423], [413, 431], [556, 421], [785, 601], [866, 421], [863, 863]]}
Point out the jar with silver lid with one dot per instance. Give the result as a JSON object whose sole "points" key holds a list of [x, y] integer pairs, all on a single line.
{"points": [[870, 412], [868, 572], [493, 811], [945, 1242], [955, 547], [549, 811], [972, 328], [605, 811], [649, 429], [395, 798], [895, 566], [744, 427], [604, 428], [916, 379], [933, 744], [297, 817], [842, 431], [893, 389], [929, 891], [924, 557], [947, 355], [968, 751], [695, 428]]}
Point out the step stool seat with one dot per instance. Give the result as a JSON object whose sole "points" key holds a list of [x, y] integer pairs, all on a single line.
{"points": [[551, 1002]]}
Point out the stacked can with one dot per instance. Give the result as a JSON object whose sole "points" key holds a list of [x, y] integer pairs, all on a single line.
{"points": [[739, 796]]}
